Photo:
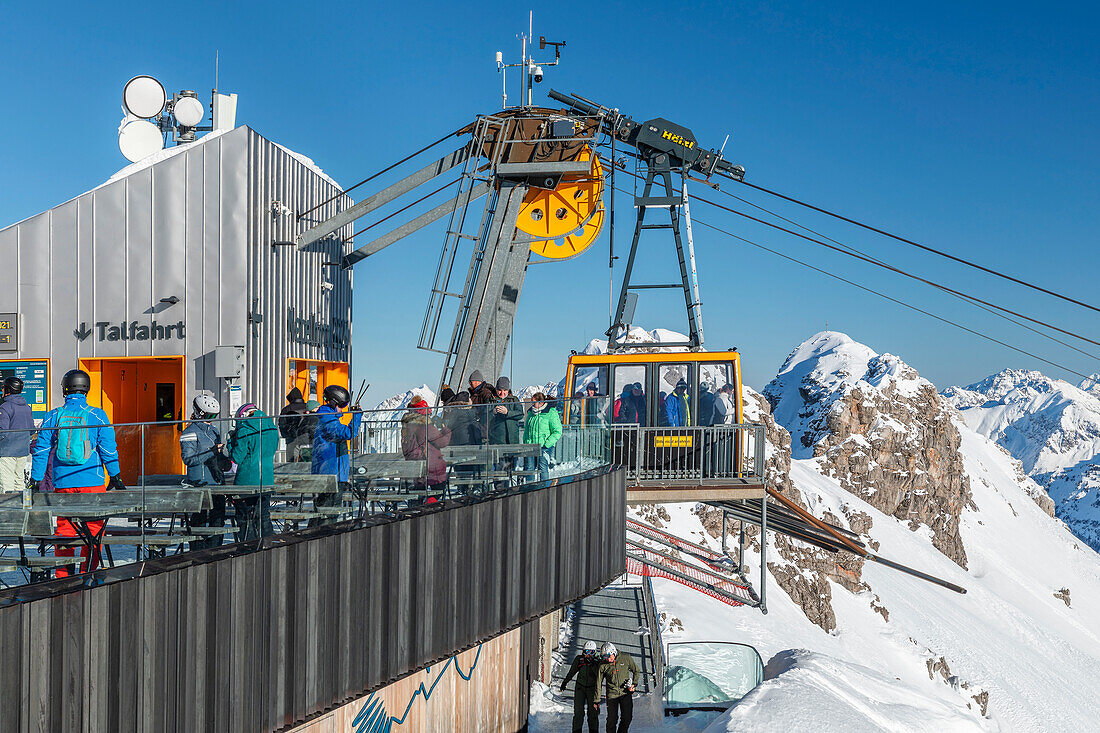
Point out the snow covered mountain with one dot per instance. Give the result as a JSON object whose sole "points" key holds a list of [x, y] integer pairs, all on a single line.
{"points": [[883, 650], [1053, 428]]}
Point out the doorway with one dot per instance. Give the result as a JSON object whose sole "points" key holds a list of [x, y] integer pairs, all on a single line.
{"points": [[312, 376], [141, 390]]}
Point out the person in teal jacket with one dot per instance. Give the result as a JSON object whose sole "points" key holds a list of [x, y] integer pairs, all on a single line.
{"points": [[544, 428], [252, 447]]}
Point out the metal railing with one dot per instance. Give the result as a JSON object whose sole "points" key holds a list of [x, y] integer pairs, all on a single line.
{"points": [[689, 456], [194, 485]]}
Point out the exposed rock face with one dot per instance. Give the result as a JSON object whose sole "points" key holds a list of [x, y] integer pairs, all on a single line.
{"points": [[801, 571], [879, 429]]}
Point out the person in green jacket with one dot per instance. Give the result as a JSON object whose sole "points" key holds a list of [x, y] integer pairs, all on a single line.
{"points": [[252, 447], [543, 427], [586, 693], [615, 673]]}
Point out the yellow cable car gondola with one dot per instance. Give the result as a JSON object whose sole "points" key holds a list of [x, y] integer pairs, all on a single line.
{"points": [[675, 421]]}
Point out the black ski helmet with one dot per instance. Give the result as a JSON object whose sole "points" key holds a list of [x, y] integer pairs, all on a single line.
{"points": [[336, 393], [76, 380], [13, 385]]}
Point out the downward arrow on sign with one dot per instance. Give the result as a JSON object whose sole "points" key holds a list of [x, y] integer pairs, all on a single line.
{"points": [[83, 332]]}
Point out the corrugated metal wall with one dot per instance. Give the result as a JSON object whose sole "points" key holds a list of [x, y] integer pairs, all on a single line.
{"points": [[285, 278], [198, 225]]}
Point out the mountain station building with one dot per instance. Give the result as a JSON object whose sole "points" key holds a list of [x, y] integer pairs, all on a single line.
{"points": [[178, 276]]}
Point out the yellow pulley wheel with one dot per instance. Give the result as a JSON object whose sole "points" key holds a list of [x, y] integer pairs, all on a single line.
{"points": [[574, 243], [565, 211]]}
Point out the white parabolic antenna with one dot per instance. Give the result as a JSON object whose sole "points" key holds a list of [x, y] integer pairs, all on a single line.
{"points": [[188, 111], [143, 96], [139, 139]]}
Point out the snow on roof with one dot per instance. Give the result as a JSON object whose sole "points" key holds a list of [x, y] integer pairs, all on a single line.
{"points": [[151, 160], [171, 152]]}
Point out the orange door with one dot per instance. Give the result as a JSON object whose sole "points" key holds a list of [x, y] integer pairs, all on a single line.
{"points": [[146, 390]]}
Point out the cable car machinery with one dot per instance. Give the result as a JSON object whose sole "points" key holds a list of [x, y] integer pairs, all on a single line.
{"points": [[542, 183]]}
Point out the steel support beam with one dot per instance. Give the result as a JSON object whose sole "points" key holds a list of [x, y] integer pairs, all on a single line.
{"points": [[415, 224], [384, 196], [483, 333]]}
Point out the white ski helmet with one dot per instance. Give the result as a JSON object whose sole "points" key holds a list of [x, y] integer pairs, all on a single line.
{"points": [[207, 405], [589, 647], [609, 650]]}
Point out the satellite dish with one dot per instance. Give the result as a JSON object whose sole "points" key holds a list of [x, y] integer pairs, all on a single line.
{"points": [[143, 96], [188, 111], [139, 139]]}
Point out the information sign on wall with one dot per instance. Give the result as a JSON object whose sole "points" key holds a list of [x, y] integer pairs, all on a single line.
{"points": [[9, 332], [35, 374]]}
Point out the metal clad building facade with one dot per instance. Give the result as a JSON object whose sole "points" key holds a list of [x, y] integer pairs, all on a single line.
{"points": [[93, 278]]}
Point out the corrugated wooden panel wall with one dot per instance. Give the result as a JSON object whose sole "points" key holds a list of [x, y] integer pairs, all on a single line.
{"points": [[264, 640]]}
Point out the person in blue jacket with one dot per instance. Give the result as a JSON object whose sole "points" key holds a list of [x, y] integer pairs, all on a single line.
{"points": [[81, 442], [330, 453]]}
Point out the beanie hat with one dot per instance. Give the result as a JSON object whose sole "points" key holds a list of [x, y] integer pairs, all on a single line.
{"points": [[312, 405], [475, 376], [245, 409], [419, 405], [592, 386], [504, 383], [446, 394], [462, 398]]}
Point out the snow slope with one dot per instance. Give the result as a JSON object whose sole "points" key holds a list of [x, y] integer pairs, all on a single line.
{"points": [[810, 691], [1053, 428], [1009, 636]]}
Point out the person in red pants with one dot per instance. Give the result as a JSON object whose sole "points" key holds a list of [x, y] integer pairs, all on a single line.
{"points": [[77, 442]]}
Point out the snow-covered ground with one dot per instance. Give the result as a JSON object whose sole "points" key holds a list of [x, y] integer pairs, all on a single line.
{"points": [[929, 665], [1010, 655], [811, 691]]}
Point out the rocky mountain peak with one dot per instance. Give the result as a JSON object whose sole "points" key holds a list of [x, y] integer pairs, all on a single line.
{"points": [[879, 428]]}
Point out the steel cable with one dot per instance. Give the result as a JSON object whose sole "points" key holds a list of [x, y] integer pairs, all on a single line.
{"points": [[899, 271], [852, 252], [890, 298], [384, 170], [926, 248]]}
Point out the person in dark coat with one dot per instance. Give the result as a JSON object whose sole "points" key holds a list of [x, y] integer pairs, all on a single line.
{"points": [[595, 409], [586, 693], [706, 404], [201, 450], [506, 416], [15, 446], [481, 393], [291, 423], [422, 440], [460, 420], [465, 429]]}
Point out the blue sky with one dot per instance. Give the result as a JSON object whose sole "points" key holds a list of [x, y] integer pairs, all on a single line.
{"points": [[971, 128]]}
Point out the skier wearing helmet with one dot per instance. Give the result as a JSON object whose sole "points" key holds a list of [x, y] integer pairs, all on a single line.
{"points": [[330, 445], [586, 693], [201, 448], [615, 672]]}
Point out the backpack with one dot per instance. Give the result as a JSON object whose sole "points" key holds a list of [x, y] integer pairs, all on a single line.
{"points": [[74, 447]]}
